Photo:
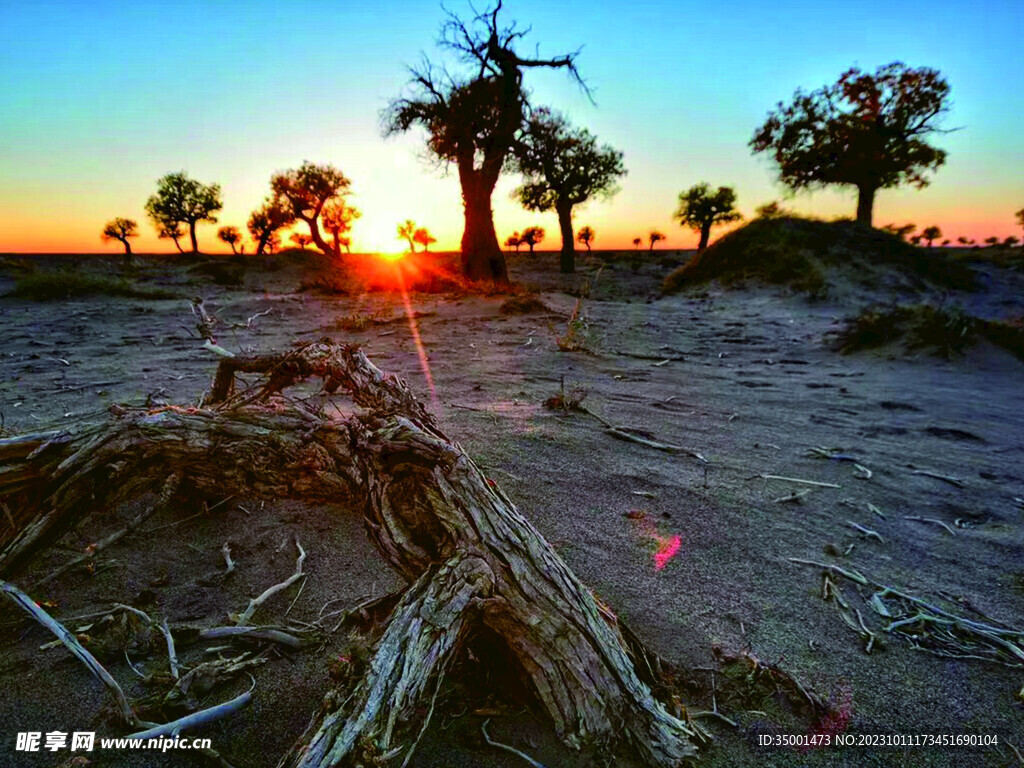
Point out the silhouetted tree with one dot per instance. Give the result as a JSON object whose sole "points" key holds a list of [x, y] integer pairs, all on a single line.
{"points": [[513, 241], [406, 231], [868, 131], [701, 209], [636, 242], [1010, 241], [121, 230], [902, 232], [180, 200], [302, 240], [655, 237], [171, 232], [930, 234], [563, 168], [945, 243], [771, 210], [337, 218], [265, 221], [307, 190], [1020, 217], [231, 236], [586, 236], [962, 240], [992, 241], [423, 237], [532, 236], [916, 239], [472, 121]]}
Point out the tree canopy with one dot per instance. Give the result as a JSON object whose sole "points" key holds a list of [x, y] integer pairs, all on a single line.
{"points": [[930, 234], [869, 131], [307, 190], [701, 209], [472, 120], [405, 232], [179, 201], [121, 230], [655, 237], [586, 236], [563, 167]]}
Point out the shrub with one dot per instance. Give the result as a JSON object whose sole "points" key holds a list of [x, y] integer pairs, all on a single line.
{"points": [[55, 286], [944, 331], [523, 304], [788, 250]]}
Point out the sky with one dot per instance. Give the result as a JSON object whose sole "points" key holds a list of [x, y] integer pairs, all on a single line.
{"points": [[100, 99]]}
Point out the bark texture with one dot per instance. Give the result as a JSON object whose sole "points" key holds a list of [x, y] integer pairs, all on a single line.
{"points": [[473, 562]]}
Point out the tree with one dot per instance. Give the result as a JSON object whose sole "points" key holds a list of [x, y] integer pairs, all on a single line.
{"points": [[532, 236], [513, 241], [700, 209], [171, 232], [424, 238], [930, 234], [992, 241], [655, 237], [945, 243], [586, 236], [337, 217], [868, 131], [300, 239], [772, 210], [265, 221], [1010, 241], [231, 236], [563, 168], [307, 190], [180, 200], [902, 232], [962, 240], [1020, 217], [121, 230], [472, 121], [636, 242], [406, 231]]}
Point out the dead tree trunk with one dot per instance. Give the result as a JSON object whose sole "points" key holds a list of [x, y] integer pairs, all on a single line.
{"points": [[471, 559]]}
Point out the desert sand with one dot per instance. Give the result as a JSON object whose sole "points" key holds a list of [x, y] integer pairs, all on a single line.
{"points": [[747, 379]]}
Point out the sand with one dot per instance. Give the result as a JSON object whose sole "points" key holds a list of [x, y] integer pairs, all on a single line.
{"points": [[745, 378]]}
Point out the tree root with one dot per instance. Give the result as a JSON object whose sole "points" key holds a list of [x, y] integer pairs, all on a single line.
{"points": [[471, 560]]}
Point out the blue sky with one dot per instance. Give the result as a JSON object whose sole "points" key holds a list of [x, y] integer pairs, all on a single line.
{"points": [[98, 100]]}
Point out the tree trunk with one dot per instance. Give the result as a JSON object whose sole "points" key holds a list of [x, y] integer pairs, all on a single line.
{"points": [[482, 258], [177, 245], [127, 249], [473, 562], [865, 204], [567, 259], [705, 235], [192, 235], [318, 239]]}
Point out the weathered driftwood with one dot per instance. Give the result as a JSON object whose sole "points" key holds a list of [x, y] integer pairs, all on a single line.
{"points": [[473, 562]]}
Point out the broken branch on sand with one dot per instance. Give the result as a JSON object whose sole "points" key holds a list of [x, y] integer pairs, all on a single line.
{"points": [[952, 636], [197, 718], [866, 531], [931, 520], [71, 643], [506, 747], [621, 434], [256, 602], [815, 483], [944, 478]]}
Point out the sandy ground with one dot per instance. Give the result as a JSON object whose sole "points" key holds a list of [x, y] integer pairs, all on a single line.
{"points": [[747, 379]]}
